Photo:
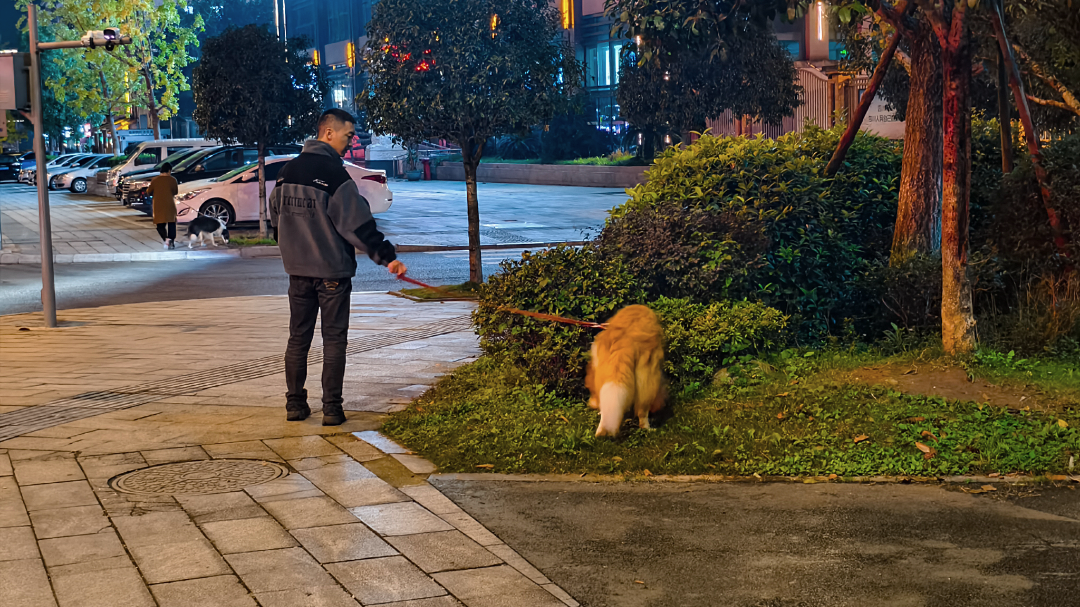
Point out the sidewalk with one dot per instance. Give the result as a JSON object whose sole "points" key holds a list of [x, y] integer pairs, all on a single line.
{"points": [[425, 214], [227, 503]]}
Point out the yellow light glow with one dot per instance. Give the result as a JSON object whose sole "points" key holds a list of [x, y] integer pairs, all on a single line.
{"points": [[820, 20], [494, 22], [567, 14], [315, 57], [350, 54]]}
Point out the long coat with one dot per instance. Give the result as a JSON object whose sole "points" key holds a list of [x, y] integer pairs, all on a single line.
{"points": [[163, 188]]}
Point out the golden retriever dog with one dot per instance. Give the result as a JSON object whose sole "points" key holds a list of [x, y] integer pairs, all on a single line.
{"points": [[626, 369]]}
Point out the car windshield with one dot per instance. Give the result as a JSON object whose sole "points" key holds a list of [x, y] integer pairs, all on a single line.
{"points": [[84, 161], [237, 171], [186, 162], [177, 157]]}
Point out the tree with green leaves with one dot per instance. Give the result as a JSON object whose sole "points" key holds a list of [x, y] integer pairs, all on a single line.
{"points": [[147, 73], [252, 88], [466, 72]]}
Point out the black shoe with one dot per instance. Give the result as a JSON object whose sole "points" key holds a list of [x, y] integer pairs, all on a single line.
{"points": [[333, 417], [297, 415]]}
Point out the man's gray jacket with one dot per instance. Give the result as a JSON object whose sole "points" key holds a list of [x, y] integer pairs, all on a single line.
{"points": [[320, 217]]}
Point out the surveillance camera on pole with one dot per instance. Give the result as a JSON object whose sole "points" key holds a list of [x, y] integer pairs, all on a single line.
{"points": [[109, 37]]}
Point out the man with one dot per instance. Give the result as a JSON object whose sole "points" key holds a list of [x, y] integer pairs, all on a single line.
{"points": [[321, 220], [163, 189]]}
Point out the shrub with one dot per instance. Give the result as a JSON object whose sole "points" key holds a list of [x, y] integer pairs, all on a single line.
{"points": [[701, 338], [565, 281], [820, 235], [570, 136], [1019, 228], [676, 251]]}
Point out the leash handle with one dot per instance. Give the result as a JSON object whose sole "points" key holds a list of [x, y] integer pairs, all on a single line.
{"points": [[551, 317]]}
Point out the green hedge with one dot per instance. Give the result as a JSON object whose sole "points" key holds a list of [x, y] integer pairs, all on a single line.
{"points": [[781, 232]]}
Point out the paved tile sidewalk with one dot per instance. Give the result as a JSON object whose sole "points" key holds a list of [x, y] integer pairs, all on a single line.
{"points": [[354, 522]]}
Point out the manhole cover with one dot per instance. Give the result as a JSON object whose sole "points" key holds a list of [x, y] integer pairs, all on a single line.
{"points": [[193, 478]]}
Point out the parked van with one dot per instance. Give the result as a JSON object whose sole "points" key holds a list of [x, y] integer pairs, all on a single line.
{"points": [[146, 154]]}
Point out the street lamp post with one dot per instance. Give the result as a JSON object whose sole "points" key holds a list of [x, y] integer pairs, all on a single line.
{"points": [[108, 38]]}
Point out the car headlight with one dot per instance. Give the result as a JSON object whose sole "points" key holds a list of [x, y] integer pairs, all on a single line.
{"points": [[190, 195]]}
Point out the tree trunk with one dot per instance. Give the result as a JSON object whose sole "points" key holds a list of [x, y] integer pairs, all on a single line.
{"points": [[855, 121], [1022, 108], [957, 319], [151, 104], [262, 190], [108, 111], [1004, 116], [471, 160], [918, 215]]}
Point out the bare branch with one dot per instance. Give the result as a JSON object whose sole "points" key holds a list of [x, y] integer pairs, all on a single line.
{"points": [[1051, 103], [1071, 103]]}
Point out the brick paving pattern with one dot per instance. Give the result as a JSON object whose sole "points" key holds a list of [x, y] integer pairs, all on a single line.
{"points": [[355, 521]]}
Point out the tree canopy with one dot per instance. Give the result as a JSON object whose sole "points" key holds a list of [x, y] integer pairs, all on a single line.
{"points": [[465, 71], [251, 87]]}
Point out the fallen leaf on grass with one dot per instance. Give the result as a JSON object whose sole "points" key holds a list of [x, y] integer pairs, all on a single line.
{"points": [[832, 477], [916, 419], [646, 472], [860, 438], [616, 459], [930, 434], [972, 491], [488, 466], [910, 371], [780, 415], [638, 582], [989, 488], [784, 394], [1057, 477], [563, 417], [928, 452], [994, 474], [1063, 423]]}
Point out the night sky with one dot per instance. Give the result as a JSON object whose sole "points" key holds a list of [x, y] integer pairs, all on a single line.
{"points": [[9, 32]]}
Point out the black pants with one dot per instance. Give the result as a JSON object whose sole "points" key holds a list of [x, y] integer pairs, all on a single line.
{"points": [[172, 230], [307, 296]]}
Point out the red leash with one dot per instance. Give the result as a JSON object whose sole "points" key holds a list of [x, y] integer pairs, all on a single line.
{"points": [[552, 317]]}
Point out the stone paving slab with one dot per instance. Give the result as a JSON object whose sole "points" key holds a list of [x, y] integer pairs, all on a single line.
{"points": [[354, 521]]}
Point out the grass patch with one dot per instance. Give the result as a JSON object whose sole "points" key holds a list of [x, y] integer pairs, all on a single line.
{"points": [[790, 415], [465, 290], [251, 241]]}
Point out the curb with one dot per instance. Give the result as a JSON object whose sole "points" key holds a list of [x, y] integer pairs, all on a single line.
{"points": [[666, 478], [424, 248], [22, 258], [255, 252]]}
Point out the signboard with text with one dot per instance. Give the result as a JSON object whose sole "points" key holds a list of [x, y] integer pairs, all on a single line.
{"points": [[881, 121]]}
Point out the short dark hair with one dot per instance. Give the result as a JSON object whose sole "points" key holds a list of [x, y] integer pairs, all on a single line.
{"points": [[166, 167], [332, 116]]}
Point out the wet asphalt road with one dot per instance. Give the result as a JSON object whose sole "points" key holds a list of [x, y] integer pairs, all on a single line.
{"points": [[82, 285], [787, 545]]}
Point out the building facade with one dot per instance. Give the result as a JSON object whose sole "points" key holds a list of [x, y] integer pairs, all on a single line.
{"points": [[337, 30], [811, 41]]}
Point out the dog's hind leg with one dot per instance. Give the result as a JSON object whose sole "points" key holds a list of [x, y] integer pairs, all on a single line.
{"points": [[649, 384], [614, 401]]}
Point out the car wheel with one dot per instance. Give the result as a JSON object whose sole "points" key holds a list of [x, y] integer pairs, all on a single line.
{"points": [[78, 186], [219, 209]]}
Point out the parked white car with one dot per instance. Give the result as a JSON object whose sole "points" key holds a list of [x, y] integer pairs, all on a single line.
{"points": [[235, 195], [75, 179]]}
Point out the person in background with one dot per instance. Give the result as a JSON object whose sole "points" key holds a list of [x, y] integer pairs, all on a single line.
{"points": [[163, 188], [321, 220]]}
